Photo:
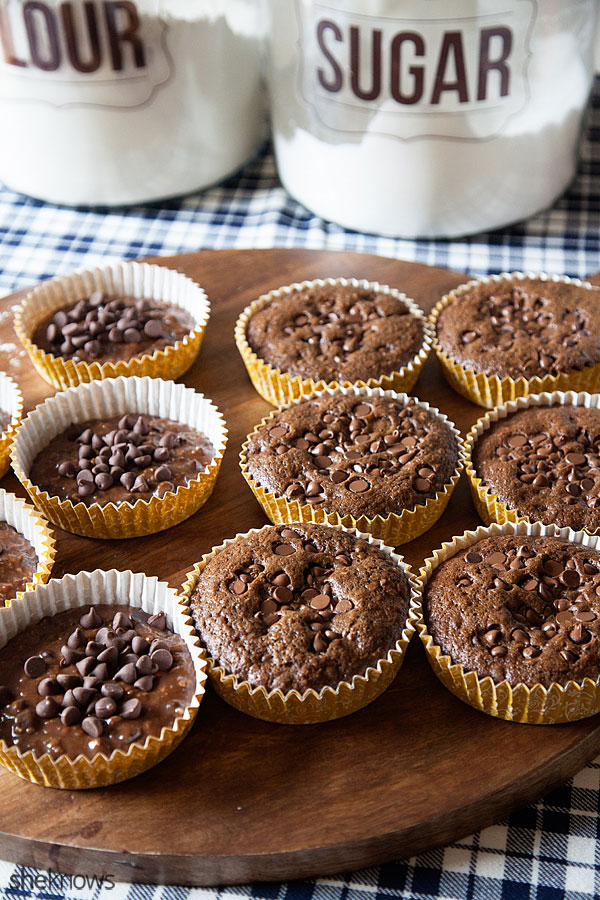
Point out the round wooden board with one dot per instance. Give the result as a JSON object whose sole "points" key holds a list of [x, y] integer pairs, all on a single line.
{"points": [[245, 800]]}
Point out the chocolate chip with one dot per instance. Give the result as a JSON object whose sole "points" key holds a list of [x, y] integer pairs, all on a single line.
{"points": [[34, 666], [126, 673], [145, 683], [93, 726], [320, 601], [112, 690], [238, 587], [343, 605], [131, 709], [358, 486], [158, 621], [48, 686], [68, 682], [144, 665], [47, 708], [422, 485], [284, 549], [516, 440], [91, 619], [70, 716], [473, 557], [163, 659], [496, 559], [105, 707], [580, 635]]}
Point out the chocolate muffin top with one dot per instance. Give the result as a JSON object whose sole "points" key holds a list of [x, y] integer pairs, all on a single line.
{"points": [[519, 608], [544, 462], [354, 454], [18, 562], [522, 328], [87, 682], [299, 606], [108, 329], [123, 458], [336, 333]]}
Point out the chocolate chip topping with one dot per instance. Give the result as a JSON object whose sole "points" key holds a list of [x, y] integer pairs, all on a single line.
{"points": [[321, 612], [349, 455], [522, 328], [62, 695], [336, 333], [545, 463], [124, 458], [519, 608], [111, 328]]}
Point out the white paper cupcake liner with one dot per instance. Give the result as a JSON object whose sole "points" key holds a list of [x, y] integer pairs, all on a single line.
{"points": [[11, 401], [112, 397], [537, 705], [122, 279], [294, 708], [92, 589], [488, 505], [493, 390], [25, 519], [280, 387], [393, 529]]}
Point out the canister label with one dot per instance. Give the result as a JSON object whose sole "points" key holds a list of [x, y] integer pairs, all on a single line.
{"points": [[81, 52], [416, 71]]}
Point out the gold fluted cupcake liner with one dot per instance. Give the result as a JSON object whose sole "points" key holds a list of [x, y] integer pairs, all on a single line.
{"points": [[294, 708], [489, 506], [11, 401], [537, 705], [491, 390], [123, 279], [25, 519], [393, 529], [280, 388], [112, 397], [82, 591]]}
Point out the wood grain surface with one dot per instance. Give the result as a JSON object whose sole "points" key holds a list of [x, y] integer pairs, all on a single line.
{"points": [[245, 800]]}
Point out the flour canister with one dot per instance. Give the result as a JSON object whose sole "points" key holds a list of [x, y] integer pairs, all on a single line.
{"points": [[428, 117], [120, 101]]}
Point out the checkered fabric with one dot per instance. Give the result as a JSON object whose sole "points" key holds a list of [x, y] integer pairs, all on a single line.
{"points": [[549, 851]]}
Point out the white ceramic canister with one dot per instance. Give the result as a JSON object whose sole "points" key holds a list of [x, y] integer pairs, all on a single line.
{"points": [[122, 101], [424, 118]]}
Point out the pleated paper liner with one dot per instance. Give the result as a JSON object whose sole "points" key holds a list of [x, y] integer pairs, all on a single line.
{"points": [[279, 387], [116, 397], [25, 519], [11, 401], [312, 706], [123, 279], [393, 529], [490, 390], [489, 506], [537, 705], [82, 591]]}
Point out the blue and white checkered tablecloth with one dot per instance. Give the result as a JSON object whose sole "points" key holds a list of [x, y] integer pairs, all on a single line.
{"points": [[548, 851]]}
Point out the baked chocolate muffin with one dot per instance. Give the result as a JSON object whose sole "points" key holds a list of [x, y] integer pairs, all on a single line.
{"points": [[354, 454], [518, 608], [300, 606], [18, 562], [108, 329], [544, 462], [124, 458], [95, 681], [336, 332], [522, 327]]}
